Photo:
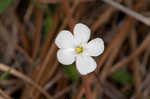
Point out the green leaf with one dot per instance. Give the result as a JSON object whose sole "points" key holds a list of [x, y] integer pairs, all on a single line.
{"points": [[47, 25], [5, 74], [71, 72], [4, 4], [122, 76]]}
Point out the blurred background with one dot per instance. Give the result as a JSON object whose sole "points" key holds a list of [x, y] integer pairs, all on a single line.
{"points": [[28, 65]]}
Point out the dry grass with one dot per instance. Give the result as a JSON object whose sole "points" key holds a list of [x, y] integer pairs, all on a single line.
{"points": [[30, 53]]}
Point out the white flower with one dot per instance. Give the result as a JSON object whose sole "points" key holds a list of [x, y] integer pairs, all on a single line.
{"points": [[77, 48]]}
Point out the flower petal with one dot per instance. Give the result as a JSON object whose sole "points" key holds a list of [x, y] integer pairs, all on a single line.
{"points": [[81, 33], [64, 39], [66, 56], [85, 64], [95, 47]]}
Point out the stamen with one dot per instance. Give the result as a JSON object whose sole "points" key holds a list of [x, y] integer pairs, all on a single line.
{"points": [[79, 49]]}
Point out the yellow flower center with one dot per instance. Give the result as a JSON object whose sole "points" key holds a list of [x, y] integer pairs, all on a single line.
{"points": [[79, 49]]}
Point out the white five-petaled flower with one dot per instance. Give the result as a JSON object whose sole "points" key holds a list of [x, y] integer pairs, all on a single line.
{"points": [[77, 48]]}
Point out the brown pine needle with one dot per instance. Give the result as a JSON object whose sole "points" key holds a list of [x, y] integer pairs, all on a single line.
{"points": [[14, 72], [4, 94], [129, 12]]}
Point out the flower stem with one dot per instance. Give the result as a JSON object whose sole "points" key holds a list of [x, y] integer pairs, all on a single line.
{"points": [[86, 87]]}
